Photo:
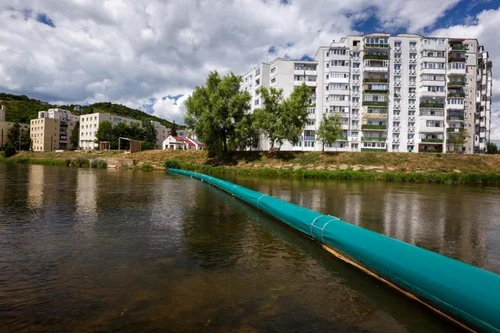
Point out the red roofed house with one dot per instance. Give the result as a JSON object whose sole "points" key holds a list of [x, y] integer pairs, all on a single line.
{"points": [[174, 143]]}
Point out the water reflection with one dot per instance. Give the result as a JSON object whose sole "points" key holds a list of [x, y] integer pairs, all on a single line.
{"points": [[92, 250], [454, 220]]}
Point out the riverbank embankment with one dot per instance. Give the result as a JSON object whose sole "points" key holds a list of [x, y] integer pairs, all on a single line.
{"points": [[436, 168]]}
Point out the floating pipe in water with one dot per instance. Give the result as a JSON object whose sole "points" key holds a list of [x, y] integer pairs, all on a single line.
{"points": [[464, 294]]}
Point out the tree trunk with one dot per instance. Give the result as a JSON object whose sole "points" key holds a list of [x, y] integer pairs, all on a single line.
{"points": [[224, 140], [323, 149]]}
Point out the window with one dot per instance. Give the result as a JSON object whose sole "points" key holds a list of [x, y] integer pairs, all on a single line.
{"points": [[397, 66], [397, 44], [339, 63], [273, 70], [433, 65], [339, 86], [430, 77], [397, 55], [355, 77], [257, 82], [434, 123], [456, 65], [337, 75], [257, 71], [257, 102], [413, 56], [456, 101], [413, 67], [413, 44], [273, 80], [338, 51], [435, 88]]}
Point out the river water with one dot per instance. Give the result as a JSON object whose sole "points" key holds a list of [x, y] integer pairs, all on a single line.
{"points": [[97, 250]]}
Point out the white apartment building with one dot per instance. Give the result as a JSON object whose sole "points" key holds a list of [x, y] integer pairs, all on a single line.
{"points": [[403, 93], [285, 74], [89, 124]]}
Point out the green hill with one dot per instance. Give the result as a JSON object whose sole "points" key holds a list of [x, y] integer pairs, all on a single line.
{"points": [[21, 108]]}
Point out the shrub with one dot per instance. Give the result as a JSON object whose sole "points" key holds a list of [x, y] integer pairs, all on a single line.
{"points": [[80, 162], [9, 150], [99, 164], [171, 164], [147, 167]]}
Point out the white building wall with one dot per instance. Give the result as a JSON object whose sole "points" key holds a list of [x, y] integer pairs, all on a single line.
{"points": [[89, 124], [413, 122]]}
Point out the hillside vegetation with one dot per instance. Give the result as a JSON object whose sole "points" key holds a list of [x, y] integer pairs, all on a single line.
{"points": [[21, 108]]}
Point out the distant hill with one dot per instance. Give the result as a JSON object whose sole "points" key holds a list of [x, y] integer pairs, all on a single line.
{"points": [[21, 108]]}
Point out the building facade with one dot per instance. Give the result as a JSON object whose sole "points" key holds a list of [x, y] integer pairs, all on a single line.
{"points": [[162, 133], [403, 93], [52, 130], [5, 126], [89, 124]]}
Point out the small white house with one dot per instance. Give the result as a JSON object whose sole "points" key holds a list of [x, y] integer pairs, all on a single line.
{"points": [[174, 143]]}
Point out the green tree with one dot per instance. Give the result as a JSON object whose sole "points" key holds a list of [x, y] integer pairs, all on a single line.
{"points": [[458, 140], [74, 139], [105, 133], [148, 135], [214, 112], [282, 119], [329, 130], [16, 135], [491, 148], [173, 131], [9, 150]]}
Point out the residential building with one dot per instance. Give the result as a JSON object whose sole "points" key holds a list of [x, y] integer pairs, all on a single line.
{"points": [[52, 130], [5, 126], [89, 125], [162, 133], [174, 143], [285, 74], [403, 93]]}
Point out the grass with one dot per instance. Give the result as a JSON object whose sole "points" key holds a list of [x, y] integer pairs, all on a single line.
{"points": [[285, 163], [413, 177]]}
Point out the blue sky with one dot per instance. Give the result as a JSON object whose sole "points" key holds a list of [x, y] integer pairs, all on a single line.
{"points": [[150, 54]]}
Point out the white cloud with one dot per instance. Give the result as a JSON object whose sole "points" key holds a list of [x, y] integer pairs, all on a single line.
{"points": [[485, 29], [130, 51], [170, 109]]}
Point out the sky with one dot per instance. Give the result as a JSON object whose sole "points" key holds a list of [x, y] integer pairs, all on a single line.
{"points": [[150, 54]]}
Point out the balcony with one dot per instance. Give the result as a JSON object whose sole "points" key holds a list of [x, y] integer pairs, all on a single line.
{"points": [[437, 141], [457, 47], [377, 46], [455, 118], [456, 59], [342, 138], [374, 127], [375, 80], [456, 84], [376, 150], [376, 57], [369, 91], [454, 129], [376, 104], [460, 95], [368, 138], [432, 105]]}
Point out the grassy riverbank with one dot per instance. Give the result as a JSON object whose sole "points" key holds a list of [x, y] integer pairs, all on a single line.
{"points": [[436, 168]]}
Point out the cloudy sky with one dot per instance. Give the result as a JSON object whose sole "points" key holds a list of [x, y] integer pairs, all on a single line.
{"points": [[149, 54]]}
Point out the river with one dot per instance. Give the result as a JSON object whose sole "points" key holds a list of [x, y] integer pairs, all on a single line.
{"points": [[101, 250]]}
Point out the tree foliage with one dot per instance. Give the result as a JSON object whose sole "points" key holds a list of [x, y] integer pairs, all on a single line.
{"points": [[16, 135], [108, 132], [491, 148], [173, 130], [329, 130], [282, 119], [458, 140], [74, 139], [215, 112], [9, 150]]}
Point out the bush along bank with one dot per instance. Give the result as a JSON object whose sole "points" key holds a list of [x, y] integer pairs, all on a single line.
{"points": [[302, 173], [75, 162]]}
